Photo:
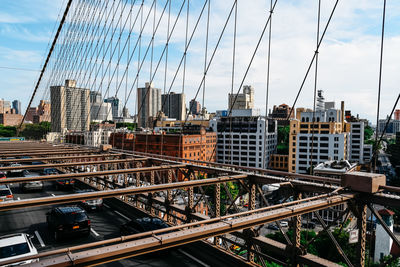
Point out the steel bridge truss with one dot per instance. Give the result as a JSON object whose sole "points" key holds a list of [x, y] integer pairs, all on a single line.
{"points": [[174, 190]]}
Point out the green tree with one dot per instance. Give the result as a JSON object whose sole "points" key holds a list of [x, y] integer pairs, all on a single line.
{"points": [[35, 131], [130, 126], [368, 132], [283, 139], [7, 131]]}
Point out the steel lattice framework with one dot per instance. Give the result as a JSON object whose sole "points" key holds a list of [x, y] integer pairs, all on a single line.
{"points": [[151, 184]]}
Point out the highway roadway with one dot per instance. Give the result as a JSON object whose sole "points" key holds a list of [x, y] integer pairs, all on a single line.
{"points": [[105, 225]]}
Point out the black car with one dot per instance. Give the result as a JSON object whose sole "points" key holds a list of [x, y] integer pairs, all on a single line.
{"points": [[142, 225], [65, 184], [273, 226], [68, 221]]}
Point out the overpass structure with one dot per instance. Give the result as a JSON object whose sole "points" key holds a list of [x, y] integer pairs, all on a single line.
{"points": [[153, 183]]}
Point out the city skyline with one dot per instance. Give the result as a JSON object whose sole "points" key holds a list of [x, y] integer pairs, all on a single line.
{"points": [[350, 51]]}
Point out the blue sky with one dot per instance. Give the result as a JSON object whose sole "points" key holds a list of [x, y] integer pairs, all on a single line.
{"points": [[348, 67]]}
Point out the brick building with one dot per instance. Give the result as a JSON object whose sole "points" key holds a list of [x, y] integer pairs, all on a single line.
{"points": [[279, 162], [194, 144], [10, 119]]}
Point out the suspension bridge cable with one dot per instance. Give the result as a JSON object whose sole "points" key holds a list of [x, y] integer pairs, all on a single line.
{"points": [[46, 62], [313, 58]]}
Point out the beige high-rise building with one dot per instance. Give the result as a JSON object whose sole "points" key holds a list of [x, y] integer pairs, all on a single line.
{"points": [[148, 103], [244, 100], [70, 107], [312, 143]]}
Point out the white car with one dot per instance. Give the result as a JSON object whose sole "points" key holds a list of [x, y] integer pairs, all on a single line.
{"points": [[284, 223], [16, 246]]}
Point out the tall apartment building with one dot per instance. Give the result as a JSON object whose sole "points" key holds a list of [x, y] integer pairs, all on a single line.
{"points": [[174, 105], [311, 143], [392, 128], [244, 100], [357, 146], [5, 106], [245, 140], [115, 106], [100, 110], [195, 107], [16, 104], [69, 107], [148, 103]]}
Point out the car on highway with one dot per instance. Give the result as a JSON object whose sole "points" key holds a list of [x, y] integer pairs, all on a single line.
{"points": [[309, 225], [31, 186], [92, 204], [6, 193], [273, 226], [15, 246], [142, 225], [68, 221], [284, 224], [48, 171], [3, 175], [15, 172], [64, 184]]}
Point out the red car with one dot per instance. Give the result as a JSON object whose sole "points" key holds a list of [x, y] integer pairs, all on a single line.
{"points": [[2, 175]]}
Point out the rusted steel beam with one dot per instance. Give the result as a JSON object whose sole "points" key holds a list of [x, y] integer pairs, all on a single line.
{"points": [[113, 193], [70, 164], [234, 168], [60, 158], [157, 242], [87, 174], [50, 153], [34, 150]]}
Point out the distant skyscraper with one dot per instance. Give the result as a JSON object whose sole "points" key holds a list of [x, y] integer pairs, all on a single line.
{"points": [[149, 103], [115, 106], [95, 97], [244, 100], [16, 104], [174, 105], [5, 106], [69, 107], [195, 107], [397, 114]]}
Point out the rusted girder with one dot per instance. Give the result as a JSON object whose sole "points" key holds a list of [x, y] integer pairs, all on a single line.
{"points": [[86, 151], [114, 193], [156, 242], [70, 164], [59, 158], [87, 174]]}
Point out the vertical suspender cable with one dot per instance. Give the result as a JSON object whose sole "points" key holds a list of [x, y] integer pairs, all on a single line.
{"points": [[380, 80], [232, 81], [264, 165], [315, 90], [205, 58], [45, 63]]}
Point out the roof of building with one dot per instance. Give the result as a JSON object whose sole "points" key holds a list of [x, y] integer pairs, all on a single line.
{"points": [[341, 166]]}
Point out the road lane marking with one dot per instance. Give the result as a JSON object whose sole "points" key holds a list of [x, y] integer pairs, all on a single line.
{"points": [[93, 231], [122, 215], [40, 239], [105, 205], [193, 258]]}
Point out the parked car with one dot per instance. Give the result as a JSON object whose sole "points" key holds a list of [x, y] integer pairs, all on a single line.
{"points": [[284, 223], [16, 246], [92, 204], [65, 183], [5, 193], [273, 226], [48, 171], [142, 225], [68, 221], [3, 175]]}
